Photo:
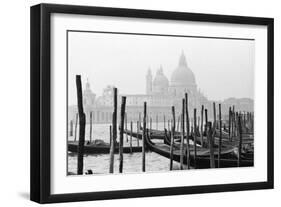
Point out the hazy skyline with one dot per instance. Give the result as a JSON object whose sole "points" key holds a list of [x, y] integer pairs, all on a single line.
{"points": [[223, 68]]}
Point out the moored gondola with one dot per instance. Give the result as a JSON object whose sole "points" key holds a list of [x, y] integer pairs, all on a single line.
{"points": [[203, 155], [92, 148]]}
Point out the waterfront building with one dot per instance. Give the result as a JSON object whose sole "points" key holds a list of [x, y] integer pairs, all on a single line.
{"points": [[160, 95]]}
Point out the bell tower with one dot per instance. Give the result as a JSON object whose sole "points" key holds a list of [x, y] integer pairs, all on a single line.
{"points": [[148, 82], [89, 96]]}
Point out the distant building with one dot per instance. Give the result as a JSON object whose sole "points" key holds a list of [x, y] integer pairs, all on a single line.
{"points": [[160, 95]]}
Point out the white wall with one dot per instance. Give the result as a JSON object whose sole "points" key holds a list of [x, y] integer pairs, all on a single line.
{"points": [[14, 110]]}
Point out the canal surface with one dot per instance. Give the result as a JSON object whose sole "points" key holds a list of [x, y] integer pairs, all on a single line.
{"points": [[132, 163]]}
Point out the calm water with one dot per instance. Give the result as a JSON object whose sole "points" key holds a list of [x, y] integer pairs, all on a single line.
{"points": [[132, 163]]}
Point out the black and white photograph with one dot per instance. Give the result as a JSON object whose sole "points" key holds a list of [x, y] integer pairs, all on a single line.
{"points": [[131, 103], [140, 102]]}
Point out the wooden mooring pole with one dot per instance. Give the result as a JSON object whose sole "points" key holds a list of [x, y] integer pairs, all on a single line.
{"points": [[139, 135], [233, 122], [112, 147], [82, 123], [172, 138], [182, 135], [138, 131], [91, 114], [144, 134], [187, 132], [215, 114], [220, 138], [114, 131], [71, 128], [253, 122], [194, 138], [236, 124], [211, 145], [76, 123], [110, 137], [131, 134], [206, 121], [229, 124], [244, 121], [213, 135], [201, 127], [123, 107], [240, 141]]}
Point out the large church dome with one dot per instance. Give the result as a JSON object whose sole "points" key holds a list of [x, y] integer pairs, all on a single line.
{"points": [[182, 75]]}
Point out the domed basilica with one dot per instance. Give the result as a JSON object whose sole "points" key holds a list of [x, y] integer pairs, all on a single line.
{"points": [[182, 81], [161, 94]]}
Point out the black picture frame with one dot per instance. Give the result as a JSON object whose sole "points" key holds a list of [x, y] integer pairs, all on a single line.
{"points": [[41, 99]]}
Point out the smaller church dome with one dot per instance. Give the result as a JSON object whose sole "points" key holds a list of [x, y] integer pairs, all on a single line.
{"points": [[160, 79]]}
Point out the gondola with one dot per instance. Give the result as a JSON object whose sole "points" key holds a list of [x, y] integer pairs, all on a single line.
{"points": [[203, 155], [245, 154], [93, 148], [154, 134], [139, 135], [225, 141], [225, 135]]}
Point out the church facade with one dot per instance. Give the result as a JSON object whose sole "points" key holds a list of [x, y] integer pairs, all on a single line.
{"points": [[161, 94]]}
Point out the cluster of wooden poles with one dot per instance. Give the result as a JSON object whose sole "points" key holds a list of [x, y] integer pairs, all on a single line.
{"points": [[113, 131], [188, 130], [113, 134], [247, 122], [238, 123]]}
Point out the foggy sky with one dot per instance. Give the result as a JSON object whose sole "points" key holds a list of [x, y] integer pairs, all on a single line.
{"points": [[223, 68]]}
